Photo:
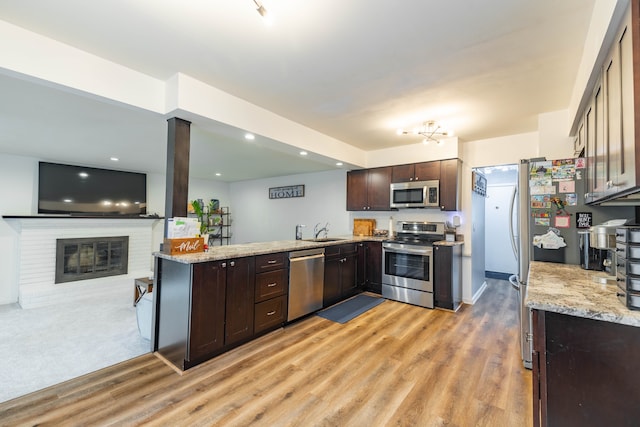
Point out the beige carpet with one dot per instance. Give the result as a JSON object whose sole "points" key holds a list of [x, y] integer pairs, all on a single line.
{"points": [[44, 346]]}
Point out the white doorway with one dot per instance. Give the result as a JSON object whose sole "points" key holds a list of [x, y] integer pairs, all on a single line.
{"points": [[500, 221]]}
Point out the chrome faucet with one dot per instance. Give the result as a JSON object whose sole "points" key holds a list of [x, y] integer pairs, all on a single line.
{"points": [[316, 231], [299, 231]]}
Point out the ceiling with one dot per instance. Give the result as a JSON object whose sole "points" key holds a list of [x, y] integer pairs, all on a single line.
{"points": [[354, 70]]}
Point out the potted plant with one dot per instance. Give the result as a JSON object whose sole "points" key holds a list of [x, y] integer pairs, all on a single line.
{"points": [[203, 216]]}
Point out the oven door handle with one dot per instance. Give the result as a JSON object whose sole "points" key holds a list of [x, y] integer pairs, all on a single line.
{"points": [[428, 251]]}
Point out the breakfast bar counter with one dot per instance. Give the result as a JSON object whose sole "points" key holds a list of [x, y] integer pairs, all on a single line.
{"points": [[568, 289], [586, 344]]}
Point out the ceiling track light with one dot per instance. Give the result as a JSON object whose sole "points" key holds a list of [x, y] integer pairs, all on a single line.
{"points": [[429, 130]]}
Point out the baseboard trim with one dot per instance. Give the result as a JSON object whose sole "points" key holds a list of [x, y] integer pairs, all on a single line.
{"points": [[497, 275]]}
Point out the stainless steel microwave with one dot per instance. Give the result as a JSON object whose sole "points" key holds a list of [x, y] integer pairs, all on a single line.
{"points": [[417, 194]]}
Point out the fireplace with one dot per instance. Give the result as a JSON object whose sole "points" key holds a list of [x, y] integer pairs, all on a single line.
{"points": [[91, 258]]}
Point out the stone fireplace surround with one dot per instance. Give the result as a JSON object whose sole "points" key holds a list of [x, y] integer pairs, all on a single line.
{"points": [[37, 256]]}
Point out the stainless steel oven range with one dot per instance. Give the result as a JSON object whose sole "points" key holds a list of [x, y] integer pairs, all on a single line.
{"points": [[407, 262]]}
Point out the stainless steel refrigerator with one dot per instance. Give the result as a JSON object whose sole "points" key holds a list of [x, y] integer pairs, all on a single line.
{"points": [[521, 243], [535, 214]]}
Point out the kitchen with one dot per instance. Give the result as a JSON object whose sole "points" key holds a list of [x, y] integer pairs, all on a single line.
{"points": [[549, 138]]}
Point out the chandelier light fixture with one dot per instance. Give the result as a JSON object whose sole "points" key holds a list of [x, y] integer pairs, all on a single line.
{"points": [[429, 130]]}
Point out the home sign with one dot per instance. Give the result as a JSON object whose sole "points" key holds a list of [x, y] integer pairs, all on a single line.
{"points": [[286, 192]]}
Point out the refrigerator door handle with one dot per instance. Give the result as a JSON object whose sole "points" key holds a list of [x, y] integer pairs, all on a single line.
{"points": [[514, 247]]}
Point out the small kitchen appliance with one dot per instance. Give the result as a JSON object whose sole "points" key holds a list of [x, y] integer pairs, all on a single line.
{"points": [[590, 258]]}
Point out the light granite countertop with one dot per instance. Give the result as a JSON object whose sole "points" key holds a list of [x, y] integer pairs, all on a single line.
{"points": [[260, 248], [568, 289]]}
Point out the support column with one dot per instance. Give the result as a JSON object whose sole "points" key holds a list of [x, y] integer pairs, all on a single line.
{"points": [[177, 185]]}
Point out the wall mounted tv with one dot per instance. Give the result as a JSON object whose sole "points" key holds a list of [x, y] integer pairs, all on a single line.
{"points": [[80, 190]]}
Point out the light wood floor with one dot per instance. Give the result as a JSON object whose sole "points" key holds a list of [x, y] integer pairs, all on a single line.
{"points": [[394, 365]]}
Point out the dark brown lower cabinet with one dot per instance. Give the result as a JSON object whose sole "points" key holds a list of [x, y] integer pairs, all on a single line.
{"points": [[331, 291], [585, 372], [447, 276], [369, 266], [207, 309], [374, 267], [204, 308], [239, 299], [340, 279]]}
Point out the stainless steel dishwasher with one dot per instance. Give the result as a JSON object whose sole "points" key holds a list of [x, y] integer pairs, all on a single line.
{"points": [[306, 282]]}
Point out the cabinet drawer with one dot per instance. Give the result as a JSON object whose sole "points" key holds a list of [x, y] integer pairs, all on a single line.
{"points": [[339, 250], [349, 248], [628, 283], [270, 313], [271, 284], [627, 267], [270, 262], [627, 251], [628, 235]]}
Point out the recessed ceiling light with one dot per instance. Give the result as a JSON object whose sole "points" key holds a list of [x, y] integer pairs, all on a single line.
{"points": [[67, 200], [83, 175], [303, 153], [218, 174], [114, 159], [339, 164], [249, 136]]}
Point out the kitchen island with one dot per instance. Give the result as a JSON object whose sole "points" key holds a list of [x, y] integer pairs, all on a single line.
{"points": [[586, 349], [210, 302]]}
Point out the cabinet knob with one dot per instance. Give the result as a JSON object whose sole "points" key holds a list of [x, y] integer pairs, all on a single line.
{"points": [[224, 265], [232, 263]]}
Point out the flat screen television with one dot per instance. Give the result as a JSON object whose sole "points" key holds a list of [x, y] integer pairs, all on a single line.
{"points": [[80, 190]]}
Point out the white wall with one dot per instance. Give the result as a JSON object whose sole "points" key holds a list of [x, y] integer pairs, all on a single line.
{"points": [[413, 152], [555, 142], [256, 218], [17, 175]]}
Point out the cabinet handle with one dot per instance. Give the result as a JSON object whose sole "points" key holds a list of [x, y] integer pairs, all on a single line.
{"points": [[271, 261], [271, 313], [271, 285], [224, 265], [232, 263], [618, 294]]}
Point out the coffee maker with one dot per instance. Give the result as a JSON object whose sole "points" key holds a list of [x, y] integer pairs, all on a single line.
{"points": [[602, 238], [591, 258]]}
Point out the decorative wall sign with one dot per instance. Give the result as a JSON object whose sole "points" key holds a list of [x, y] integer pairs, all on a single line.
{"points": [[286, 192], [584, 219]]}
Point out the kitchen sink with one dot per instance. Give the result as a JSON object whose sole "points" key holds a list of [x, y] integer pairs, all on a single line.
{"points": [[324, 239]]}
